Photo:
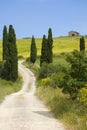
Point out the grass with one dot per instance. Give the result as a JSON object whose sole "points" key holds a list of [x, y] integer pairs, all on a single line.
{"points": [[60, 45], [8, 87], [23, 46], [72, 114]]}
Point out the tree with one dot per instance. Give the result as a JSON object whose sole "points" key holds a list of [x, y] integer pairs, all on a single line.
{"points": [[76, 77], [5, 43], [10, 70], [82, 44], [50, 46], [78, 65], [44, 50], [33, 51], [13, 59]]}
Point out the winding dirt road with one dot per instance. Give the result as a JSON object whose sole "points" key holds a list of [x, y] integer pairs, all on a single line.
{"points": [[23, 111]]}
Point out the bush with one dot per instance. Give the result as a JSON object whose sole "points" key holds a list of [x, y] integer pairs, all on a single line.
{"points": [[76, 77], [71, 86], [47, 70], [56, 79]]}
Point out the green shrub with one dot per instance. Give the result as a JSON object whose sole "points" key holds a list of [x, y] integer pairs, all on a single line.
{"points": [[46, 70], [56, 79]]}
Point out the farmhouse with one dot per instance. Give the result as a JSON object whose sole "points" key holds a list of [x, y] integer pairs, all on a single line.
{"points": [[73, 33]]}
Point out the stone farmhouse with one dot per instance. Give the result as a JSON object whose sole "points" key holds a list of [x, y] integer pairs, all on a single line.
{"points": [[73, 33]]}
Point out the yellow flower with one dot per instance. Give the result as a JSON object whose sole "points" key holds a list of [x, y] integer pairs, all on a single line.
{"points": [[46, 81], [83, 95]]}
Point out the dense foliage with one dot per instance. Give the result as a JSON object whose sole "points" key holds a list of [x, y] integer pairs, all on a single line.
{"points": [[70, 78]]}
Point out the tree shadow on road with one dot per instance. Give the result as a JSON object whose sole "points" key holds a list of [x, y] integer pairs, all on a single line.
{"points": [[45, 113]]}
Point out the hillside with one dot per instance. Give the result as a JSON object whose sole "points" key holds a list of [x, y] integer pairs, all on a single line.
{"points": [[61, 45]]}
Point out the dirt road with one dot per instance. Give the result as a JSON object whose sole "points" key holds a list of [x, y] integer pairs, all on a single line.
{"points": [[23, 111]]}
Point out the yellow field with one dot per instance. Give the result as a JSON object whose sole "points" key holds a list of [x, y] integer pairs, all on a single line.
{"points": [[60, 45], [23, 46]]}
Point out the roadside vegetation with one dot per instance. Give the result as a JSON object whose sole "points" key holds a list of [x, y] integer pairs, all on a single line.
{"points": [[8, 87], [72, 112], [62, 84]]}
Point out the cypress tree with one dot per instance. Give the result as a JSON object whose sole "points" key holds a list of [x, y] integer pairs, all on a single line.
{"points": [[33, 51], [10, 70], [50, 46], [5, 43], [6, 69], [44, 50], [13, 60], [82, 44]]}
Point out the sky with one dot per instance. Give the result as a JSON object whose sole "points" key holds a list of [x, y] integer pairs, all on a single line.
{"points": [[35, 17]]}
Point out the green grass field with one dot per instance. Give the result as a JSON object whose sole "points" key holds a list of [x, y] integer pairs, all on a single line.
{"points": [[60, 45], [23, 46]]}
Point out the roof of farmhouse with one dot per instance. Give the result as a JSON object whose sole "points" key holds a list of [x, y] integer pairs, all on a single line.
{"points": [[74, 32]]}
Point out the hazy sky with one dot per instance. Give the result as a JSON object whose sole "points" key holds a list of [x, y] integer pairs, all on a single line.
{"points": [[34, 17]]}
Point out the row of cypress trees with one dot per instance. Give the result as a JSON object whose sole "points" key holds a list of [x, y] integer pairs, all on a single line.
{"points": [[10, 59], [46, 50]]}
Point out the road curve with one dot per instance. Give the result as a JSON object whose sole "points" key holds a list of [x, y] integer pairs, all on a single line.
{"points": [[23, 110]]}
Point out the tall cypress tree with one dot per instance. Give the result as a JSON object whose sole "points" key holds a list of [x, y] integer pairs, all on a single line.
{"points": [[44, 51], [50, 46], [5, 43], [82, 44], [13, 60], [33, 51], [7, 66], [10, 70]]}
